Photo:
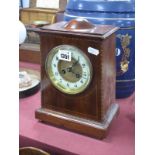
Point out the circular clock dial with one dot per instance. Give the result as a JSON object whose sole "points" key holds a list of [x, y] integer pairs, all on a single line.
{"points": [[69, 69]]}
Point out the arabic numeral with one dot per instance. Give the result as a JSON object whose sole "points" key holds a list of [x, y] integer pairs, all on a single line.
{"points": [[84, 74], [81, 81], [56, 73], [57, 58], [67, 84], [83, 65]]}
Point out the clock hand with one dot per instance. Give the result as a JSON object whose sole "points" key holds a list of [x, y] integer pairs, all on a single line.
{"points": [[76, 74], [68, 69], [76, 62]]}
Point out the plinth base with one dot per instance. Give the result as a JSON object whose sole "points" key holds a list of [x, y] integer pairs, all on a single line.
{"points": [[84, 126]]}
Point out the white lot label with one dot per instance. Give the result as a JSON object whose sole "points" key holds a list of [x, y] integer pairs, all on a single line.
{"points": [[64, 55], [93, 51]]}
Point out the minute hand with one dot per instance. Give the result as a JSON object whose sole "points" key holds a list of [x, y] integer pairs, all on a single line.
{"points": [[75, 63], [70, 67]]}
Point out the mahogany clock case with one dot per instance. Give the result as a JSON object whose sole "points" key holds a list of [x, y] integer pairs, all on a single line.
{"points": [[80, 112]]}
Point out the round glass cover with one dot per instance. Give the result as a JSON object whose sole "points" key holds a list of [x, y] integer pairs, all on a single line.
{"points": [[69, 69]]}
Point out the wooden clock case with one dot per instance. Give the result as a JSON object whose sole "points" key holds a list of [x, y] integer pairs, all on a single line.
{"points": [[91, 111]]}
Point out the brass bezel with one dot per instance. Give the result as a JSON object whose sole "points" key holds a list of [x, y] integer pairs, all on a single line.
{"points": [[51, 76]]}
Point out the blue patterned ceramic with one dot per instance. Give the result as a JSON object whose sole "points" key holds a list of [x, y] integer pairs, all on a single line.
{"points": [[119, 13]]}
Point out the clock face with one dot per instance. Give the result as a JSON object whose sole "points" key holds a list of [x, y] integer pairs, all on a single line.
{"points": [[69, 69]]}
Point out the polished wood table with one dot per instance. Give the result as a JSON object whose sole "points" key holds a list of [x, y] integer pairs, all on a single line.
{"points": [[120, 139]]}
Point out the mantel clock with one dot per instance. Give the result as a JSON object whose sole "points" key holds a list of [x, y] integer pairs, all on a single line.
{"points": [[78, 76]]}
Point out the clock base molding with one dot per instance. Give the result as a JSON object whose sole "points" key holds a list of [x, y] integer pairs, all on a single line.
{"points": [[84, 126]]}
